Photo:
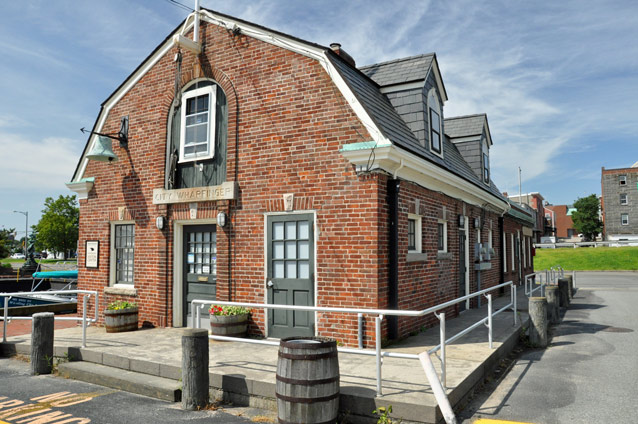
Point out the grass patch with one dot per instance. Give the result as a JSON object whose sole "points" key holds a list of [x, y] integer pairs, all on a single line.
{"points": [[588, 258], [43, 261]]}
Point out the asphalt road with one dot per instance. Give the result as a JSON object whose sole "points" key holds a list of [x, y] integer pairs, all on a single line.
{"points": [[588, 374], [52, 399]]}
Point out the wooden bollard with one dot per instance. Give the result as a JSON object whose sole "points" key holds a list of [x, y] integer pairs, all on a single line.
{"points": [[195, 368], [570, 284], [538, 321], [42, 343], [563, 292], [553, 309]]}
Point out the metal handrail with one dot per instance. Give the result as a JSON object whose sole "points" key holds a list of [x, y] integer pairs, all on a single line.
{"points": [[198, 304], [85, 321], [551, 276]]}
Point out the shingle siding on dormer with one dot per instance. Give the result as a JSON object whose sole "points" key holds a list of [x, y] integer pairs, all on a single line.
{"points": [[471, 152], [410, 105]]}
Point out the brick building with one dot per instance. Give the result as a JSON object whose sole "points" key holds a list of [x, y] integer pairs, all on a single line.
{"points": [[619, 203], [561, 216], [535, 201], [263, 168]]}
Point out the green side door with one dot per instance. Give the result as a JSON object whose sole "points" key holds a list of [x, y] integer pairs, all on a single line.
{"points": [[200, 268], [290, 273]]}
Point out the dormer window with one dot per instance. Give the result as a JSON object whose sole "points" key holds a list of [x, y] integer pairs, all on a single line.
{"points": [[435, 123], [198, 122], [486, 163]]}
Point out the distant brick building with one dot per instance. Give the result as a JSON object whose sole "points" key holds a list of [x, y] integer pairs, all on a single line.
{"points": [[562, 221], [619, 203], [535, 201], [267, 169]]}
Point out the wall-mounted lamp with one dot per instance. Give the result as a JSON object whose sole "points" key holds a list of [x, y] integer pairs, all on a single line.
{"points": [[461, 220], [477, 222], [102, 150], [159, 222], [221, 219]]}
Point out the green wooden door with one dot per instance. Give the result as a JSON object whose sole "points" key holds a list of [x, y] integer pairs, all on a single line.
{"points": [[200, 268], [291, 262]]}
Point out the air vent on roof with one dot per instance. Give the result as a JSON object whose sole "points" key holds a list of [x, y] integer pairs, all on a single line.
{"points": [[336, 47]]}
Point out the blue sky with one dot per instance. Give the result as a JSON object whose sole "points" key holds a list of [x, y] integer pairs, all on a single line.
{"points": [[558, 80]]}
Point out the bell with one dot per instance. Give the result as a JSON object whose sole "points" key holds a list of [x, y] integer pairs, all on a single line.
{"points": [[102, 151]]}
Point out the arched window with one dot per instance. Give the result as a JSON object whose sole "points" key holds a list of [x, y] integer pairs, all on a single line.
{"points": [[434, 108], [198, 136]]}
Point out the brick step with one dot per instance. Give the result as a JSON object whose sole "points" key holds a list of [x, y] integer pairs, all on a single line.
{"points": [[128, 381]]}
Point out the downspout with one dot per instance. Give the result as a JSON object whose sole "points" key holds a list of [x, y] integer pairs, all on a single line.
{"points": [[393, 186], [196, 26], [501, 230]]}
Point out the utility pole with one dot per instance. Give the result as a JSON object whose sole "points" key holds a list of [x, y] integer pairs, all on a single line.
{"points": [[520, 195], [26, 230]]}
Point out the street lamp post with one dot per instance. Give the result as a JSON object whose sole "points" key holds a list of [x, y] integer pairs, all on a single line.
{"points": [[26, 230]]}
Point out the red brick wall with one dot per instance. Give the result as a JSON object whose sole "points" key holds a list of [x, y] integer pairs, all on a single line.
{"points": [[562, 221]]}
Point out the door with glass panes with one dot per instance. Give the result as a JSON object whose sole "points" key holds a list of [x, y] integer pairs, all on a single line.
{"points": [[290, 272], [200, 267]]}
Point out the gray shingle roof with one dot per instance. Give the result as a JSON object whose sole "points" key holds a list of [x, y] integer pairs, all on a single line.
{"points": [[399, 71], [464, 126], [395, 129]]}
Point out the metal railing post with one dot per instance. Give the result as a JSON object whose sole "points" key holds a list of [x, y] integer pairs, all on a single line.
{"points": [[441, 317], [515, 305], [489, 319], [193, 307], [360, 329], [84, 305], [377, 325], [6, 315], [198, 308]]}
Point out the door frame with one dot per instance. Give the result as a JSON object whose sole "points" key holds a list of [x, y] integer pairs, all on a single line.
{"points": [[466, 229], [315, 229], [178, 268]]}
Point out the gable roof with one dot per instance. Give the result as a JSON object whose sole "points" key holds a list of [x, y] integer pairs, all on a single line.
{"points": [[467, 126], [399, 71]]}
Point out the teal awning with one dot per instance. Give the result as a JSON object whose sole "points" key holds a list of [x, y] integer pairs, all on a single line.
{"points": [[56, 274]]}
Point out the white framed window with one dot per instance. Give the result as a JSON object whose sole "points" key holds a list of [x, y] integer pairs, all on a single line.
{"points": [[623, 199], [414, 233], [524, 249], [513, 259], [622, 179], [504, 247], [436, 131], [624, 219], [486, 163], [441, 230], [197, 132], [122, 253]]}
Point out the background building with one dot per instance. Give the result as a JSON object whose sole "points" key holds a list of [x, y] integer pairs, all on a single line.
{"points": [[561, 216], [619, 203]]}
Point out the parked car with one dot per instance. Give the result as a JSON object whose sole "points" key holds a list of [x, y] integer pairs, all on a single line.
{"points": [[18, 256]]}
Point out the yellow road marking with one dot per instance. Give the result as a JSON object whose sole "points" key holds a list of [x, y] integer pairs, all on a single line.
{"points": [[489, 421]]}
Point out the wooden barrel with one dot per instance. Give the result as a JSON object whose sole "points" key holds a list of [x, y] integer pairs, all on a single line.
{"points": [[307, 381], [119, 320], [229, 325]]}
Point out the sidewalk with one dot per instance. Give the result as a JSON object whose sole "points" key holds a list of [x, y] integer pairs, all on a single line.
{"points": [[246, 372]]}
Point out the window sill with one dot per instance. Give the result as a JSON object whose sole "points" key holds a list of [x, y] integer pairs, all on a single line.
{"points": [[416, 257], [444, 255], [121, 290]]}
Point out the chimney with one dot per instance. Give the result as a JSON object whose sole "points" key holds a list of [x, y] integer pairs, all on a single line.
{"points": [[336, 47]]}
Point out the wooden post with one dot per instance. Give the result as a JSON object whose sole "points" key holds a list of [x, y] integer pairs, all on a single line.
{"points": [[42, 343], [538, 321], [553, 310], [563, 292], [195, 368]]}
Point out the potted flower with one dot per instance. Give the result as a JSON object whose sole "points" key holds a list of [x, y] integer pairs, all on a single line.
{"points": [[230, 321], [120, 316]]}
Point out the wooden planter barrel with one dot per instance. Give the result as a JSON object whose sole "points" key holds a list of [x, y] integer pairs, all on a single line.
{"points": [[119, 320], [307, 380], [229, 325]]}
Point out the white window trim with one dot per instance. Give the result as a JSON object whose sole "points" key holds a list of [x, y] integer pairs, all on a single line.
{"points": [[504, 247], [418, 234], [626, 202], [486, 167], [444, 222], [513, 259], [622, 180], [622, 219], [211, 90], [432, 94], [524, 249], [112, 257]]}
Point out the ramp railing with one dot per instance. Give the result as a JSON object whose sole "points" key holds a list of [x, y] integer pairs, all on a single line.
{"points": [[198, 304]]}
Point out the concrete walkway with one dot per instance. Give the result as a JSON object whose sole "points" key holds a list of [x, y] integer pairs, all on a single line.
{"points": [[245, 373]]}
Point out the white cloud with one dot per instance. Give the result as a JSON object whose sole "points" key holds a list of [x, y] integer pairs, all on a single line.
{"points": [[46, 164]]}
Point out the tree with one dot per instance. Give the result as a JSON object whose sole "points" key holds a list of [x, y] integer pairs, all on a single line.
{"points": [[6, 242], [586, 217], [58, 227]]}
